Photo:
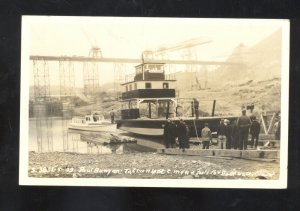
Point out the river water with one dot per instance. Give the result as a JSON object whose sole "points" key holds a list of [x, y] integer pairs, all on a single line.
{"points": [[52, 134]]}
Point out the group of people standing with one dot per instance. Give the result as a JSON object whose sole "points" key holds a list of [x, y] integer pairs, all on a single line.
{"points": [[173, 131], [235, 135], [231, 135]]}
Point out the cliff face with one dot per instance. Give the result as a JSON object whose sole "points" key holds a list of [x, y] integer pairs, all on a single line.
{"points": [[265, 58], [233, 86], [262, 62]]}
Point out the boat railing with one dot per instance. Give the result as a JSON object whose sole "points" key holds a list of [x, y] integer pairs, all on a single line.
{"points": [[77, 117]]}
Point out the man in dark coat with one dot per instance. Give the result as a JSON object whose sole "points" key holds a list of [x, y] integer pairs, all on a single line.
{"points": [[243, 124], [235, 135], [254, 131], [228, 134], [183, 135], [169, 134]]}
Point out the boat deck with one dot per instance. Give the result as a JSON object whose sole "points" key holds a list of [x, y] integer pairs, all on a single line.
{"points": [[178, 118]]}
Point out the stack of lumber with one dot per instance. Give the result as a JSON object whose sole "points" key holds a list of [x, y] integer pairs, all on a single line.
{"points": [[108, 138]]}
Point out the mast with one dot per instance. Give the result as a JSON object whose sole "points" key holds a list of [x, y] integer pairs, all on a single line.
{"points": [[213, 109]]}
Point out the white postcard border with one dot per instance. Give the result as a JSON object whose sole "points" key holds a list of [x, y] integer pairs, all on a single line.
{"points": [[181, 183]]}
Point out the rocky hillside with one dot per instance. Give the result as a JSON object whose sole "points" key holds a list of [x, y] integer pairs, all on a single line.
{"points": [[230, 98], [258, 82], [262, 62]]}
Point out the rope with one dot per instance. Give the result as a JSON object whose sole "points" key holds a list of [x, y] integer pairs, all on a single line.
{"points": [[195, 123], [196, 130]]}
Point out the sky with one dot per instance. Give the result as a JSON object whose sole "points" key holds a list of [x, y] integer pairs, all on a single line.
{"points": [[128, 37]]}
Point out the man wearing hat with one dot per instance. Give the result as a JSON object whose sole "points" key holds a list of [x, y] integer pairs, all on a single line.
{"points": [[277, 128], [243, 124], [254, 131], [183, 135]]}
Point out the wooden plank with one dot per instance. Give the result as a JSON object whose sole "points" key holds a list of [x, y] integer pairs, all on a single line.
{"points": [[259, 154]]}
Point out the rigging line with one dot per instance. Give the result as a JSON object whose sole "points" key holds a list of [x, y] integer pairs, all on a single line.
{"points": [[195, 123]]}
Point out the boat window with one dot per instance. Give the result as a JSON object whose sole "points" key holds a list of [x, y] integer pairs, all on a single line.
{"points": [[159, 67], [166, 85], [130, 87], [95, 118], [148, 85], [151, 67], [138, 70], [155, 68], [126, 88], [135, 86]]}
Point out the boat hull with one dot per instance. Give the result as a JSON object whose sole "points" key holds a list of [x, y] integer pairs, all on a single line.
{"points": [[94, 128], [154, 127]]}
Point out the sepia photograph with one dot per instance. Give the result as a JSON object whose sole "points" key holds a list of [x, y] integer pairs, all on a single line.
{"points": [[154, 102]]}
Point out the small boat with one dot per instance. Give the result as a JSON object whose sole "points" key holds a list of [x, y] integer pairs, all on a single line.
{"points": [[92, 122]]}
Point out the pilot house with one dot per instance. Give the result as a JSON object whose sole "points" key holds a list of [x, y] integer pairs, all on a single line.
{"points": [[149, 94]]}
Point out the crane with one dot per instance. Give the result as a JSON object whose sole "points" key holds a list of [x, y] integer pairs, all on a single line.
{"points": [[91, 69], [95, 50], [164, 49]]}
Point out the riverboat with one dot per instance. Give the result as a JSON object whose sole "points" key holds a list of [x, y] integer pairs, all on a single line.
{"points": [[149, 99], [92, 122]]}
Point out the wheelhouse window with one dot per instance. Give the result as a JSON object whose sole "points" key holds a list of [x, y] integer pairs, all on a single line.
{"points": [[148, 85], [166, 85], [135, 86], [139, 70]]}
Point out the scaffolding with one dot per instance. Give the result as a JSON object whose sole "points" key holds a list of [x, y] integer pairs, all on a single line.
{"points": [[41, 80], [91, 67], [41, 104], [91, 74], [67, 78]]}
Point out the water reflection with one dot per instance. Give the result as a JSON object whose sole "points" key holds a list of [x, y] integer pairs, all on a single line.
{"points": [[43, 125], [52, 134]]}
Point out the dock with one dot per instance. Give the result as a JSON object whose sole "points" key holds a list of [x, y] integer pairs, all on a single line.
{"points": [[247, 154]]}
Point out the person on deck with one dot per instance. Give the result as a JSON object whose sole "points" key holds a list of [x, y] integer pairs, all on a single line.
{"points": [[243, 124], [254, 131], [222, 133], [183, 135], [112, 116], [206, 136]]}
